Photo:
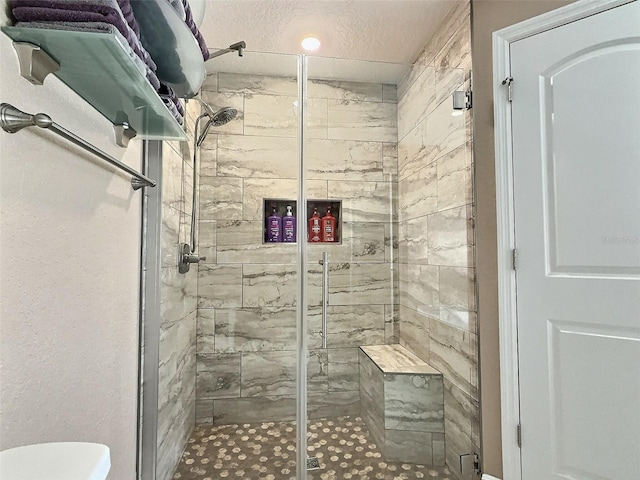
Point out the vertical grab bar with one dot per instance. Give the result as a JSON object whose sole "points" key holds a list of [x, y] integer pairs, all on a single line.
{"points": [[325, 295]]}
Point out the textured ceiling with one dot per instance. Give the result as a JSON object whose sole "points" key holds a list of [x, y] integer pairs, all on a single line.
{"points": [[380, 30]]}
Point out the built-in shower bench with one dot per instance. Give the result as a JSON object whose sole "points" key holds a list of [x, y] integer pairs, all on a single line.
{"points": [[402, 403]]}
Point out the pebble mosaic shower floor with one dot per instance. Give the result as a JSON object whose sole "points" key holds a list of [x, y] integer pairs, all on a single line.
{"points": [[267, 451]]}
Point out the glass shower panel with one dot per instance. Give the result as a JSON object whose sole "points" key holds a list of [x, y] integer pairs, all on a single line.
{"points": [[351, 166], [228, 339]]}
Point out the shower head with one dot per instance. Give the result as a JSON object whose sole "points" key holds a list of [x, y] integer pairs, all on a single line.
{"points": [[216, 119]]}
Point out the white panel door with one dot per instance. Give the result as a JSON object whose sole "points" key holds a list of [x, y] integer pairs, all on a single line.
{"points": [[576, 154]]}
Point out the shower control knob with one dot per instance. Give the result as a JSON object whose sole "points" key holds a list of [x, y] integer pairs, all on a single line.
{"points": [[186, 258]]}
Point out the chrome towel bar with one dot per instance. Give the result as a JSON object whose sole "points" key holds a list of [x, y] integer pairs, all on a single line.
{"points": [[13, 120]]}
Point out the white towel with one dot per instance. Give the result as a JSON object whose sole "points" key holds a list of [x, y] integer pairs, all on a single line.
{"points": [[486, 476]]}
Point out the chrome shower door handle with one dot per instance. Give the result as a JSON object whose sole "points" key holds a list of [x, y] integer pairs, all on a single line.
{"points": [[325, 295]]}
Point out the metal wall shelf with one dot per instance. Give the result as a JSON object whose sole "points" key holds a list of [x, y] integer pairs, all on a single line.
{"points": [[98, 68]]}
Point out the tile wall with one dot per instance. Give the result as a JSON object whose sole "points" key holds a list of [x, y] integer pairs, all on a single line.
{"points": [[178, 292], [435, 213], [246, 339]]}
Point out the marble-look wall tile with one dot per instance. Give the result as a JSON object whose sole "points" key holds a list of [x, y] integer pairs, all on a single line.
{"points": [[219, 100], [240, 241], [451, 23], [391, 244], [187, 189], [390, 160], [255, 329], [342, 160], [169, 236], [363, 201], [361, 242], [414, 332], [218, 375], [276, 116], [220, 198], [457, 297], [389, 93], [456, 53], [414, 402], [268, 373], [413, 241], [176, 392], [219, 286], [207, 239], [257, 189], [408, 447], [343, 372], [172, 165], [348, 120], [318, 371], [438, 134], [210, 82], [359, 284], [205, 341], [250, 156], [339, 90], [454, 178], [323, 405], [350, 325], [372, 397], [204, 412], [418, 193], [208, 156], [176, 302], [451, 353], [266, 285], [417, 101], [391, 324], [279, 408], [448, 235], [259, 84], [419, 286], [448, 80], [460, 412]]}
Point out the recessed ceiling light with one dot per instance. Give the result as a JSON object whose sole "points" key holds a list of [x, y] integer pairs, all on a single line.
{"points": [[310, 44]]}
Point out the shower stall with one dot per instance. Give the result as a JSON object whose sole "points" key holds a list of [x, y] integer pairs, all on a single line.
{"points": [[352, 357]]}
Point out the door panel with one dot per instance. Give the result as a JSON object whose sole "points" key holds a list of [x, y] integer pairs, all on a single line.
{"points": [[576, 154]]}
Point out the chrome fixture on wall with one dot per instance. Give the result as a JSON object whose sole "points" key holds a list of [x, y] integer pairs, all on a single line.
{"points": [[216, 118], [461, 100], [13, 120], [236, 47]]}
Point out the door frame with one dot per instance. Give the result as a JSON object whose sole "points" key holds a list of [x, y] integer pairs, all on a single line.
{"points": [[507, 314]]}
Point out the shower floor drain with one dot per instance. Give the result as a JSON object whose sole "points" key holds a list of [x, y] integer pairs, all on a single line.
{"points": [[313, 463]]}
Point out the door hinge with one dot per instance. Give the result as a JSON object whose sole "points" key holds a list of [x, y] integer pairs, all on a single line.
{"points": [[519, 435], [508, 81], [514, 258]]}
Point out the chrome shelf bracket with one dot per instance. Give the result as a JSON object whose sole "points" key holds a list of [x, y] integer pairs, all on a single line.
{"points": [[35, 63], [124, 133]]}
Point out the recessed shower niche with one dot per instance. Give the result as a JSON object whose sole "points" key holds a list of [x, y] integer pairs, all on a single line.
{"points": [[280, 217]]}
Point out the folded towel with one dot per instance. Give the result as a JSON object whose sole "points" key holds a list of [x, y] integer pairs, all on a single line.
{"points": [[80, 11], [174, 110], [127, 13], [166, 92], [99, 27], [194, 29]]}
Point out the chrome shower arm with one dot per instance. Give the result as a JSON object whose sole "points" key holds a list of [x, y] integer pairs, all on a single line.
{"points": [[236, 47]]}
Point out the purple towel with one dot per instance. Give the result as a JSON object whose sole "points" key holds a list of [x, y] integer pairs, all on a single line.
{"points": [[127, 13], [81, 11], [167, 93], [194, 29]]}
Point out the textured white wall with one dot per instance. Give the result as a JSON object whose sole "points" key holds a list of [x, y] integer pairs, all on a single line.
{"points": [[69, 273]]}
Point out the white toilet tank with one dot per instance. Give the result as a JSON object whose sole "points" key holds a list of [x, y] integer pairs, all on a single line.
{"points": [[56, 461]]}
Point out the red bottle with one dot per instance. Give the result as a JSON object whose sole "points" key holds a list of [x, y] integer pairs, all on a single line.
{"points": [[315, 233], [328, 227]]}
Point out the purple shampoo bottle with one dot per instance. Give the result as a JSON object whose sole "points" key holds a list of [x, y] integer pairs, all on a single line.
{"points": [[289, 227], [274, 227]]}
